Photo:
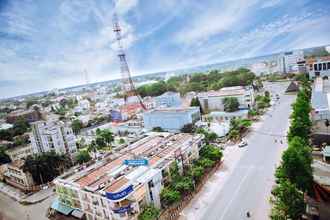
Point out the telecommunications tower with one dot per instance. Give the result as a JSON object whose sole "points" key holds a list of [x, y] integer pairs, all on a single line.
{"points": [[128, 88]]}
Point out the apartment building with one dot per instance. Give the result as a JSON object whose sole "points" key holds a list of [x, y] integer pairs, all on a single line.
{"points": [[52, 135], [318, 67], [17, 177], [19, 152], [118, 187], [213, 100], [28, 115], [320, 113], [170, 119], [288, 61]]}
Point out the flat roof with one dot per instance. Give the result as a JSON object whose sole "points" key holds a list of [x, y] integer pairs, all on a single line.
{"points": [[226, 91], [174, 110], [112, 176]]}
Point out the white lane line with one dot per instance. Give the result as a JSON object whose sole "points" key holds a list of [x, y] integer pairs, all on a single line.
{"points": [[236, 193]]}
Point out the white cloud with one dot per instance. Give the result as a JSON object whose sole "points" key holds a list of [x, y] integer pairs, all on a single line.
{"points": [[124, 6], [271, 3], [214, 20]]}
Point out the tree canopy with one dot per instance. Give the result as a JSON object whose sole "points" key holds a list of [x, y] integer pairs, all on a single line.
{"points": [[83, 157], [46, 166], [230, 104]]}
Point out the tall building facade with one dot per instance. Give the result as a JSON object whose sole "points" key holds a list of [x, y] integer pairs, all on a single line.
{"points": [[288, 61], [52, 135]]}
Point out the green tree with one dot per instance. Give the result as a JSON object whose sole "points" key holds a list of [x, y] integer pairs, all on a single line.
{"points": [[288, 202], [231, 104], [77, 125], [195, 103], [158, 129], [83, 157], [187, 128], [46, 166], [149, 213], [184, 185], [211, 152], [169, 196], [4, 158], [296, 164], [20, 126], [197, 172]]}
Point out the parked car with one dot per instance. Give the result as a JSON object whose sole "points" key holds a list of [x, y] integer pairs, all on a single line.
{"points": [[242, 144]]}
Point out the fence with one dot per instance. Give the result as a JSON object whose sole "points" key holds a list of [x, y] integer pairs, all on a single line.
{"points": [[173, 212]]}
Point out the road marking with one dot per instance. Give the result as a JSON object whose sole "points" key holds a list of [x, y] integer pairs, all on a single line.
{"points": [[236, 193]]}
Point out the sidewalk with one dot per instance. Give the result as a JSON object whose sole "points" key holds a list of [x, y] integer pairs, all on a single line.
{"points": [[23, 198]]}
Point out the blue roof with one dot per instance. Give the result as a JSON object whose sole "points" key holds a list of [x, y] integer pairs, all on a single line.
{"points": [[66, 210]]}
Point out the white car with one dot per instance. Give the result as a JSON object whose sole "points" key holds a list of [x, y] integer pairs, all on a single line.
{"points": [[242, 144]]}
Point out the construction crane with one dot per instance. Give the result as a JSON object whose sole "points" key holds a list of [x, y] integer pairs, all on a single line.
{"points": [[128, 88]]}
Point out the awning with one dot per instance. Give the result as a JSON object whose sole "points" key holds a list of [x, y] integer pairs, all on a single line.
{"points": [[66, 210], [77, 213]]}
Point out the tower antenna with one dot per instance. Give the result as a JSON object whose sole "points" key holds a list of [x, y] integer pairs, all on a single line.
{"points": [[128, 88]]}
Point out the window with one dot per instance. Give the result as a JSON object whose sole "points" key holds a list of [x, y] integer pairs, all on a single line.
{"points": [[324, 66], [315, 67], [329, 66], [320, 66]]}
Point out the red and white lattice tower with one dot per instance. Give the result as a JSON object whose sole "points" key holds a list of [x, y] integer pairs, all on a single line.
{"points": [[128, 88]]}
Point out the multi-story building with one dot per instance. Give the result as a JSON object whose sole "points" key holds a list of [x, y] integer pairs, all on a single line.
{"points": [[52, 135], [19, 152], [170, 119], [318, 67], [28, 115], [320, 113], [288, 61], [168, 100], [17, 177], [213, 100], [117, 188]]}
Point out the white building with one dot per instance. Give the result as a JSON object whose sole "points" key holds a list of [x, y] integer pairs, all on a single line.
{"points": [[288, 61], [170, 119], [19, 152], [318, 67], [118, 188], [168, 100], [320, 110], [50, 135], [213, 100]]}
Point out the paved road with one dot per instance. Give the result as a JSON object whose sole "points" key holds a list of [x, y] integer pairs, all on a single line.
{"points": [[12, 210], [248, 187]]}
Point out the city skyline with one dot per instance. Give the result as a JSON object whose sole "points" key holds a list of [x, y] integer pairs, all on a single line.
{"points": [[48, 44]]}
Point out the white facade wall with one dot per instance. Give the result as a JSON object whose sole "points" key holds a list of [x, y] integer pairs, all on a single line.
{"points": [[319, 68], [47, 136], [215, 103]]}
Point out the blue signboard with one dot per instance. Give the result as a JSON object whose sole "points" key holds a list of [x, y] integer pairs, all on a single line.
{"points": [[137, 162], [116, 115], [121, 194], [122, 209]]}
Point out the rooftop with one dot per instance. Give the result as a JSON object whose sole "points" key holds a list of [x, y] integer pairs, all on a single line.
{"points": [[174, 110], [113, 175], [226, 91]]}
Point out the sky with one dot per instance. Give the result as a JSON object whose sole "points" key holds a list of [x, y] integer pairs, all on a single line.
{"points": [[46, 44]]}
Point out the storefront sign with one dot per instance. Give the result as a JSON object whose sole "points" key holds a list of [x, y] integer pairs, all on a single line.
{"points": [[121, 194], [137, 162], [122, 209]]}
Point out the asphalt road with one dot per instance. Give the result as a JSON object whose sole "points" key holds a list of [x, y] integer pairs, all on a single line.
{"points": [[248, 187], [12, 210]]}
